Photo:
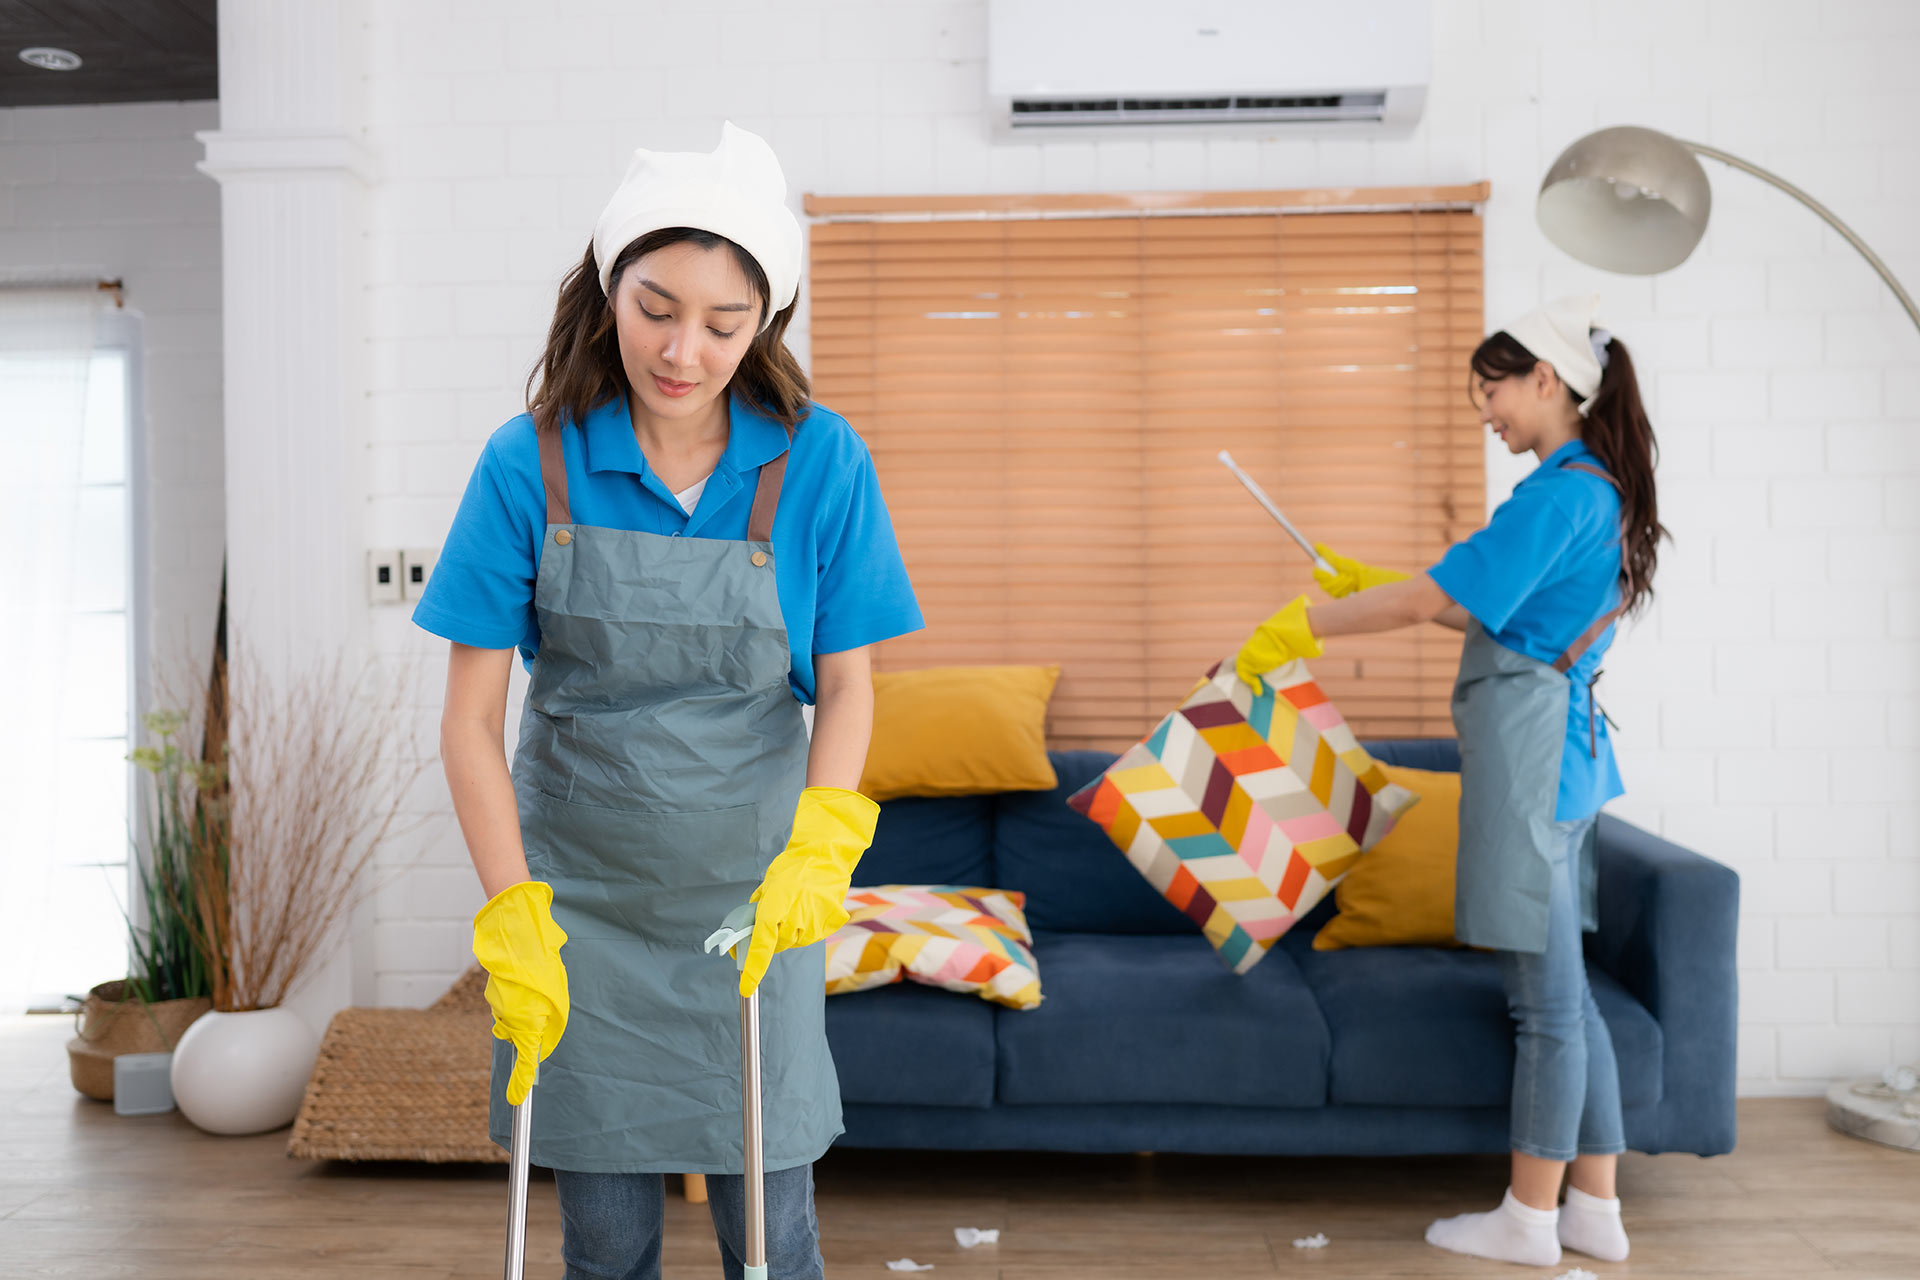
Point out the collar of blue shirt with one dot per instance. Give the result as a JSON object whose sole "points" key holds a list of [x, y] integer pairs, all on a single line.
{"points": [[1574, 450], [753, 439]]}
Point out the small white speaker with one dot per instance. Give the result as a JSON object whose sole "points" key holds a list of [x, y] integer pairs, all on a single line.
{"points": [[142, 1084]]}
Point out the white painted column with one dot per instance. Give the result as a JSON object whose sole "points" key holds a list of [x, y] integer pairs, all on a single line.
{"points": [[293, 177]]}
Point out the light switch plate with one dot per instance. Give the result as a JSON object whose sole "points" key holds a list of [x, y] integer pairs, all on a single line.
{"points": [[416, 566], [383, 577]]}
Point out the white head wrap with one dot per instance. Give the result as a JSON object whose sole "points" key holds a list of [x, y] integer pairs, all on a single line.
{"points": [[1563, 333], [736, 190]]}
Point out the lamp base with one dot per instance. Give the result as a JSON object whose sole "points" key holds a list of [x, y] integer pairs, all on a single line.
{"points": [[1879, 1116]]}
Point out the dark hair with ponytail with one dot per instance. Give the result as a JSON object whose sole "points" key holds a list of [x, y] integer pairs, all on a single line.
{"points": [[1618, 432], [581, 369]]}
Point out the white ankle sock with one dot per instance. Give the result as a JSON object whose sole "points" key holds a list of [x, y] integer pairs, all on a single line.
{"points": [[1512, 1233], [1592, 1226]]}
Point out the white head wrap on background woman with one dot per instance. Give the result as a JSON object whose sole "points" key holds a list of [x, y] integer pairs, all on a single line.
{"points": [[736, 190], [1563, 333]]}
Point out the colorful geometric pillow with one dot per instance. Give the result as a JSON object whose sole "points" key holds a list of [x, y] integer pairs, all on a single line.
{"points": [[1244, 811], [969, 940]]}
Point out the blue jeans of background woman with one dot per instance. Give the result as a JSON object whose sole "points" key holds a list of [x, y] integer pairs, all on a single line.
{"points": [[612, 1223], [1566, 1084]]}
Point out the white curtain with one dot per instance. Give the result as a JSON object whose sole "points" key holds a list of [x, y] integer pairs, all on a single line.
{"points": [[65, 699]]}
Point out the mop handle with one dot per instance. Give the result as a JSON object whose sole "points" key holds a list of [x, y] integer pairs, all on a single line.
{"points": [[517, 1184], [734, 934], [1260, 496]]}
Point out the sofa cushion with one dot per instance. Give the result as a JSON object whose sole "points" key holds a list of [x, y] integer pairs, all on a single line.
{"points": [[959, 731], [910, 1045], [1074, 879], [1149, 1019], [948, 840], [1422, 1027]]}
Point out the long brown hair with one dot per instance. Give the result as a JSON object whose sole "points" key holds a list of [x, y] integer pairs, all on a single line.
{"points": [[581, 369], [1618, 431]]}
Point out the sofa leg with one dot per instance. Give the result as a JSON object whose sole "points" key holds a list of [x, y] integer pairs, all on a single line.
{"points": [[696, 1188]]}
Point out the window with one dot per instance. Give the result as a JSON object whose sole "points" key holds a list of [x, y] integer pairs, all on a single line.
{"points": [[68, 434], [1046, 384]]}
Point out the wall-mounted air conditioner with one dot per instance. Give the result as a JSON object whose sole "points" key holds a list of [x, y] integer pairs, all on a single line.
{"points": [[1097, 68]]}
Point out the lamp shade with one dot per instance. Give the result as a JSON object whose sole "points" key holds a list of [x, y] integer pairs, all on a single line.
{"points": [[1626, 199]]}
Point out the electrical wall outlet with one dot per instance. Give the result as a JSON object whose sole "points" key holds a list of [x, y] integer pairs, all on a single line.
{"points": [[416, 566], [383, 577]]}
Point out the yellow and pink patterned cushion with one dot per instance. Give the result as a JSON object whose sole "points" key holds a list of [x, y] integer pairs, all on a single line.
{"points": [[1244, 810], [969, 940]]}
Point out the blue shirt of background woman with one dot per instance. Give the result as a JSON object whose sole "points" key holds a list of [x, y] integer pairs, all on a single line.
{"points": [[1531, 578]]}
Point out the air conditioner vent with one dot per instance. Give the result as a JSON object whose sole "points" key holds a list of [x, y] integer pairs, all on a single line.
{"points": [[1054, 113]]}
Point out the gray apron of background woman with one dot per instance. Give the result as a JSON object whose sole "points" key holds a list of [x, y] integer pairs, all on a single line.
{"points": [[1537, 592], [685, 547]]}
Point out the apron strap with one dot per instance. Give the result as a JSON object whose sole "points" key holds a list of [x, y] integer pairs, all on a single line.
{"points": [[766, 497], [553, 475], [1564, 663]]}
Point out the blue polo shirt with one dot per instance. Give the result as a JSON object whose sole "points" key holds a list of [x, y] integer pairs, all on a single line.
{"points": [[836, 564], [1545, 568]]}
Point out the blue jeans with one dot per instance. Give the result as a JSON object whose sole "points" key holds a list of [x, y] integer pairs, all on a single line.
{"points": [[1566, 1084], [611, 1224]]}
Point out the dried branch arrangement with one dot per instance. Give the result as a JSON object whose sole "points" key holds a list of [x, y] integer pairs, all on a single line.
{"points": [[306, 785]]}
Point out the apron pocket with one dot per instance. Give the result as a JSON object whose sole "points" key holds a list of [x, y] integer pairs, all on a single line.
{"points": [[662, 878]]}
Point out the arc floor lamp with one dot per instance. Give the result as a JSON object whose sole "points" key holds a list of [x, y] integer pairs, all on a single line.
{"points": [[1636, 201]]}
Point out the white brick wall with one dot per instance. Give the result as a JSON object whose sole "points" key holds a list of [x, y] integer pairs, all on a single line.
{"points": [[1769, 699], [112, 190]]}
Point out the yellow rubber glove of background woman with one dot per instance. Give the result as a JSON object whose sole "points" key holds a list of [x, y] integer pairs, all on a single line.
{"points": [[804, 896], [1276, 642], [518, 944], [1351, 575]]}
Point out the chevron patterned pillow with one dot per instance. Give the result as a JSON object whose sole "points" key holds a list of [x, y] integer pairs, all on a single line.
{"points": [[974, 941], [1244, 811]]}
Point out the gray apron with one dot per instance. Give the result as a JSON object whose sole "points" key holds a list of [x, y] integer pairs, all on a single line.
{"points": [[1510, 714], [661, 754]]}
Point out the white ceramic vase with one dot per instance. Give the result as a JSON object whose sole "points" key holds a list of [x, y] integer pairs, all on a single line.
{"points": [[237, 1073]]}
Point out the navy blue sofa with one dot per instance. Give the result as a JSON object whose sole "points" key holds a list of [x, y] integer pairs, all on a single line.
{"points": [[1145, 1041]]}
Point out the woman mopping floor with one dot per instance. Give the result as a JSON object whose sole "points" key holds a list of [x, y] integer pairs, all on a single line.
{"points": [[1537, 592], [685, 549]]}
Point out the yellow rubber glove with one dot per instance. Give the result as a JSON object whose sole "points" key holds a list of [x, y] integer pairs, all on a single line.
{"points": [[517, 942], [804, 897], [1351, 575], [1276, 642]]}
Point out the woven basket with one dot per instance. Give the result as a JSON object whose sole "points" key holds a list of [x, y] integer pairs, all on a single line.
{"points": [[112, 1023], [403, 1084]]}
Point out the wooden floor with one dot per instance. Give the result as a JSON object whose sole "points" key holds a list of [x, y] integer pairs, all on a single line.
{"points": [[86, 1193]]}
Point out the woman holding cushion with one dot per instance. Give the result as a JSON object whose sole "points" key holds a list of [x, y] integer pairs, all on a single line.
{"points": [[1537, 592], [685, 549]]}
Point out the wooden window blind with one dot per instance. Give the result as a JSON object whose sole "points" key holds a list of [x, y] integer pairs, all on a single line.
{"points": [[1045, 397]]}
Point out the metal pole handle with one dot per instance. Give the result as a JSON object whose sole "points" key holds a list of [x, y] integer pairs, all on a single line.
{"points": [[1260, 496], [734, 933], [517, 1184], [756, 1250]]}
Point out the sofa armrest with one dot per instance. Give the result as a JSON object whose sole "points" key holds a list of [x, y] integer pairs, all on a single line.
{"points": [[1669, 924]]}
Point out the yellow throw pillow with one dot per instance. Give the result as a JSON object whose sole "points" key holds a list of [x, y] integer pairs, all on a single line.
{"points": [[1400, 893], [960, 731]]}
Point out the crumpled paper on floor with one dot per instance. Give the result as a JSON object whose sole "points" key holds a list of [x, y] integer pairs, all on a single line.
{"points": [[1316, 1241], [968, 1237], [1578, 1273], [908, 1264]]}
